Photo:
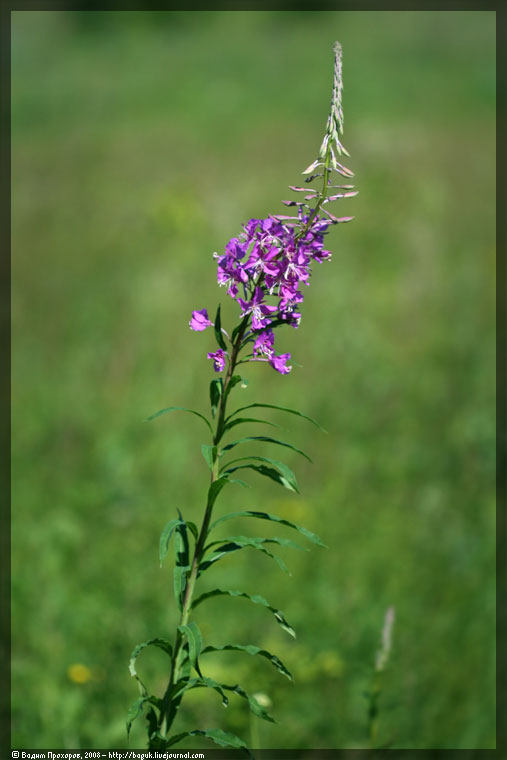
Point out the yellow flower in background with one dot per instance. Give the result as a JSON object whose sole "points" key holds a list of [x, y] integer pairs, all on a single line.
{"points": [[79, 673]]}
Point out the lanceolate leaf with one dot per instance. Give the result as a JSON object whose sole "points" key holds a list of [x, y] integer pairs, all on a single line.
{"points": [[218, 330], [211, 684], [137, 708], [167, 533], [281, 474], [194, 638], [236, 545], [215, 489], [135, 711], [243, 420], [215, 391], [268, 472], [253, 650], [255, 598], [182, 565], [267, 439], [210, 454], [222, 738], [235, 379], [161, 643], [254, 541], [165, 538], [273, 518], [181, 409], [255, 707], [280, 408]]}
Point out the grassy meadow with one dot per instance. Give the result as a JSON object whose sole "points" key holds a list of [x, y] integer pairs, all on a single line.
{"points": [[140, 143]]}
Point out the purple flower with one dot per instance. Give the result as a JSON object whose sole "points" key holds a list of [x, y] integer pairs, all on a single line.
{"points": [[280, 363], [259, 310], [269, 258], [218, 359], [264, 342], [200, 320]]}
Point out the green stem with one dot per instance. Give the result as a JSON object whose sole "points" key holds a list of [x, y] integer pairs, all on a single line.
{"points": [[176, 662]]}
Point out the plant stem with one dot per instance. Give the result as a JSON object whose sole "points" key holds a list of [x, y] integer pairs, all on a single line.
{"points": [[202, 536], [321, 197]]}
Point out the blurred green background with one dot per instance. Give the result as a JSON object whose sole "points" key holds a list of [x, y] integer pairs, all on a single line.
{"points": [[141, 142]]}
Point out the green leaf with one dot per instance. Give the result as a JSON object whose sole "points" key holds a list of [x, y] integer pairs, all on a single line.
{"points": [[167, 533], [193, 528], [255, 707], [281, 408], [282, 474], [218, 330], [255, 540], [239, 327], [137, 708], [210, 454], [215, 392], [155, 742], [193, 635], [182, 565], [237, 544], [211, 684], [215, 489], [165, 538], [222, 738], [235, 379], [161, 643], [181, 409], [255, 598], [267, 439], [135, 711], [273, 518], [242, 420], [253, 650]]}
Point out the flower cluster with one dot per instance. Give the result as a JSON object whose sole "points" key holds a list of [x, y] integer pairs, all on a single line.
{"points": [[263, 270]]}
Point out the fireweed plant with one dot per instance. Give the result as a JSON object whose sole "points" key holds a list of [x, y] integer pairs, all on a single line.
{"points": [[265, 271]]}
